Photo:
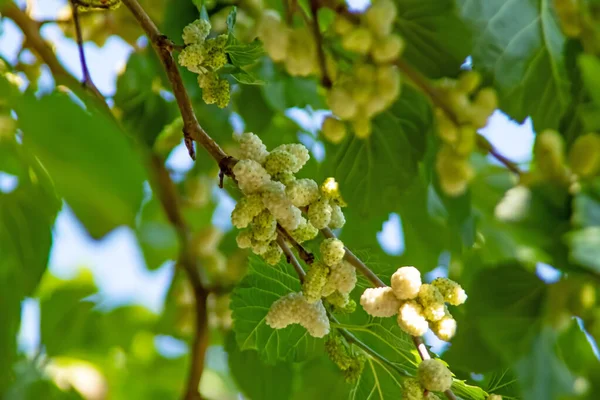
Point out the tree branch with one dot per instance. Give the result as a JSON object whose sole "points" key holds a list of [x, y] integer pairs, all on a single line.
{"points": [[191, 128], [87, 79], [31, 30], [291, 258], [314, 9], [304, 254], [438, 100]]}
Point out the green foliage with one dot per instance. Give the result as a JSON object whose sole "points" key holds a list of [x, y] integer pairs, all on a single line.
{"points": [[520, 45]]}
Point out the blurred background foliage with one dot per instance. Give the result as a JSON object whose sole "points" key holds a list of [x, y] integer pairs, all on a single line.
{"points": [[529, 261]]}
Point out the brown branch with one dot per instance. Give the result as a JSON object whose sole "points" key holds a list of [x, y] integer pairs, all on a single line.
{"points": [[167, 194], [314, 9], [290, 257], [304, 254], [164, 48], [31, 30], [439, 101], [87, 79]]}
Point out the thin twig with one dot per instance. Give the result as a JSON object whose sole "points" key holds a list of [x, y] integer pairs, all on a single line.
{"points": [[291, 258], [438, 100], [314, 9], [87, 79], [356, 262], [31, 30], [163, 48], [304, 254]]}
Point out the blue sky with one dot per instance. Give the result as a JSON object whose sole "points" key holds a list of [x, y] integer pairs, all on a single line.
{"points": [[115, 261]]}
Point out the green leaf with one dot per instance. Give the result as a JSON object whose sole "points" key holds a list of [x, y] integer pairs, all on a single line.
{"points": [[586, 207], [231, 19], [27, 214], [375, 172], [242, 54], [584, 245], [378, 381], [590, 72], [250, 303], [156, 236], [437, 41], [320, 379], [540, 373], [144, 111], [92, 163], [275, 383], [520, 44], [240, 75]]}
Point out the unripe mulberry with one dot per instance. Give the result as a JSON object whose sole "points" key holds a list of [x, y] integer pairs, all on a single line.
{"points": [[274, 35], [273, 254], [362, 126], [301, 54], [380, 17], [294, 309], [584, 156], [359, 40], [453, 293], [411, 319], [333, 130], [342, 278], [315, 280], [299, 151], [338, 220], [412, 389], [380, 302], [387, 49], [341, 103], [244, 239], [192, 57], [341, 25], [252, 147], [214, 52], [434, 375], [432, 301], [444, 328], [250, 175], [342, 302], [549, 154], [388, 82], [260, 247], [305, 231], [468, 81], [454, 172], [246, 209], [406, 282], [319, 213], [494, 397], [196, 32], [279, 161], [264, 226], [302, 192], [332, 251]]}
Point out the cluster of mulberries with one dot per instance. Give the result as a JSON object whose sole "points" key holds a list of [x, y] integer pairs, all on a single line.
{"points": [[581, 162], [205, 57], [273, 195], [331, 278], [295, 309], [98, 4], [372, 83], [360, 90], [472, 109], [342, 355], [432, 376], [419, 306]]}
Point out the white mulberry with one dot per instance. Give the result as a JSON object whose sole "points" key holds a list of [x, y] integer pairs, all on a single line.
{"points": [[244, 239], [342, 277], [251, 176], [264, 226], [252, 147], [333, 130], [434, 375], [359, 40], [387, 49], [274, 35], [411, 319], [302, 192], [380, 302], [453, 293], [338, 220], [332, 251], [281, 207], [273, 254], [406, 282], [304, 232], [445, 328], [341, 103], [294, 309], [279, 161], [319, 213], [412, 389], [380, 17]]}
